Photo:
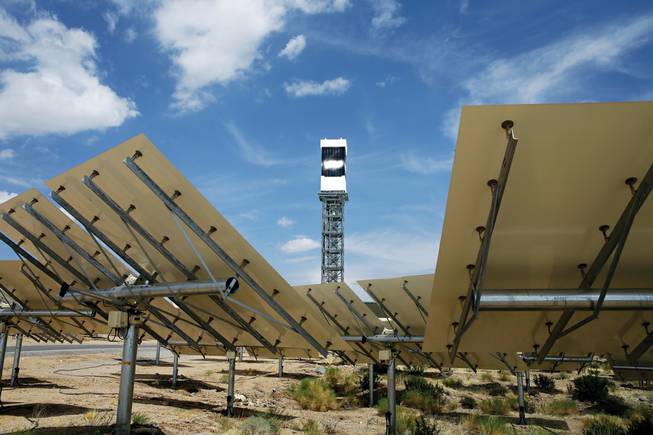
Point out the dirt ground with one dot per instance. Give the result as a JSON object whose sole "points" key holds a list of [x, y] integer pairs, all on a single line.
{"points": [[71, 393]]}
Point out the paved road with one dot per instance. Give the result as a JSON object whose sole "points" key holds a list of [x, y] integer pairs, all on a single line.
{"points": [[53, 349]]}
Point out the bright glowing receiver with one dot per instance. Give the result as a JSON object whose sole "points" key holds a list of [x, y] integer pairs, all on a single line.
{"points": [[334, 165]]}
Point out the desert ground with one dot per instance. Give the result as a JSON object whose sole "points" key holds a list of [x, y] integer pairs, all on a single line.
{"points": [[73, 392]]}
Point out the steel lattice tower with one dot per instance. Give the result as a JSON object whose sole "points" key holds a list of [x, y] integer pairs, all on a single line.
{"points": [[333, 195], [333, 235]]}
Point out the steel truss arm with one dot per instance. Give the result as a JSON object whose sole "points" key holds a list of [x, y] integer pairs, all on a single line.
{"points": [[386, 310], [501, 357], [355, 312], [233, 265], [478, 274], [613, 247], [415, 299]]}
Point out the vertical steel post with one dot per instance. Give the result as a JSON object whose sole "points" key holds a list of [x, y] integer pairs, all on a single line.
{"points": [[175, 369], [391, 415], [280, 368], [528, 380], [241, 353], [520, 391], [230, 383], [4, 336], [127, 372], [157, 360], [16, 368], [370, 381]]}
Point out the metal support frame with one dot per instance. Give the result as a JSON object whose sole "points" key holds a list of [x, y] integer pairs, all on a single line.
{"points": [[529, 358], [355, 312], [175, 369], [4, 337], [333, 235], [16, 366], [520, 393], [127, 373], [45, 313], [391, 415], [613, 247], [233, 265], [387, 311], [497, 188], [280, 367], [463, 357], [384, 339], [148, 291], [231, 379], [157, 358], [415, 299], [370, 381], [502, 358]]}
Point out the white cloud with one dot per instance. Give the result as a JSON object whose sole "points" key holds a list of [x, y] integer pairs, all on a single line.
{"points": [[299, 244], [251, 152], [386, 14], [424, 165], [5, 196], [112, 21], [216, 42], [464, 5], [61, 92], [285, 222], [303, 88], [294, 47], [7, 153], [130, 35]]}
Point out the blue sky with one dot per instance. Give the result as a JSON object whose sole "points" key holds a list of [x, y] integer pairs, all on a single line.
{"points": [[238, 93]]}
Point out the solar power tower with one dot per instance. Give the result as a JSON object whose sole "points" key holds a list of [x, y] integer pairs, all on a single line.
{"points": [[333, 195]]}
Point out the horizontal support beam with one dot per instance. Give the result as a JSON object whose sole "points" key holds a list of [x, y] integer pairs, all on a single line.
{"points": [[190, 288], [565, 299], [560, 359], [632, 368], [46, 313], [383, 339]]}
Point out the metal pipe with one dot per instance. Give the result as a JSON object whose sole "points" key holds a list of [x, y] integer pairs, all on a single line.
{"points": [[3, 349], [127, 372], [560, 359], [231, 378], [186, 288], [46, 313], [635, 368], [391, 415], [16, 367], [157, 359], [383, 339], [370, 381], [520, 391], [280, 367], [175, 369], [564, 299]]}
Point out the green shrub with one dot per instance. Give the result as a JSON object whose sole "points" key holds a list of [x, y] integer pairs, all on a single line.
{"points": [[406, 418], [602, 424], [423, 386], [453, 382], [641, 421], [513, 401], [256, 425], [140, 419], [341, 383], [314, 394], [495, 406], [496, 389], [544, 384], [562, 407], [425, 427], [468, 402], [311, 427], [590, 388], [563, 375], [614, 405], [422, 394], [487, 425]]}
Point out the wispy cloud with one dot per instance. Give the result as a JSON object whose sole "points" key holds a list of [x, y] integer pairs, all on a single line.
{"points": [[299, 244], [294, 47], [303, 259], [251, 152], [424, 165], [7, 154], [304, 88], [285, 222], [464, 5], [387, 14]]}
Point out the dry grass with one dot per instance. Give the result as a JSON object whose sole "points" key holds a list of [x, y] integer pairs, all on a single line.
{"points": [[314, 394], [562, 407], [602, 424]]}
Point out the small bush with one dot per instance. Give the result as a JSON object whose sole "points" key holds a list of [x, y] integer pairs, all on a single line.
{"points": [[496, 389], [224, 379], [453, 382], [314, 394], [140, 419], [495, 406], [513, 401], [562, 407], [641, 421], [468, 402], [563, 375], [311, 427], [590, 388], [98, 418], [341, 383], [614, 405], [601, 424], [406, 418], [544, 384], [422, 394], [425, 427], [256, 425], [487, 425]]}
